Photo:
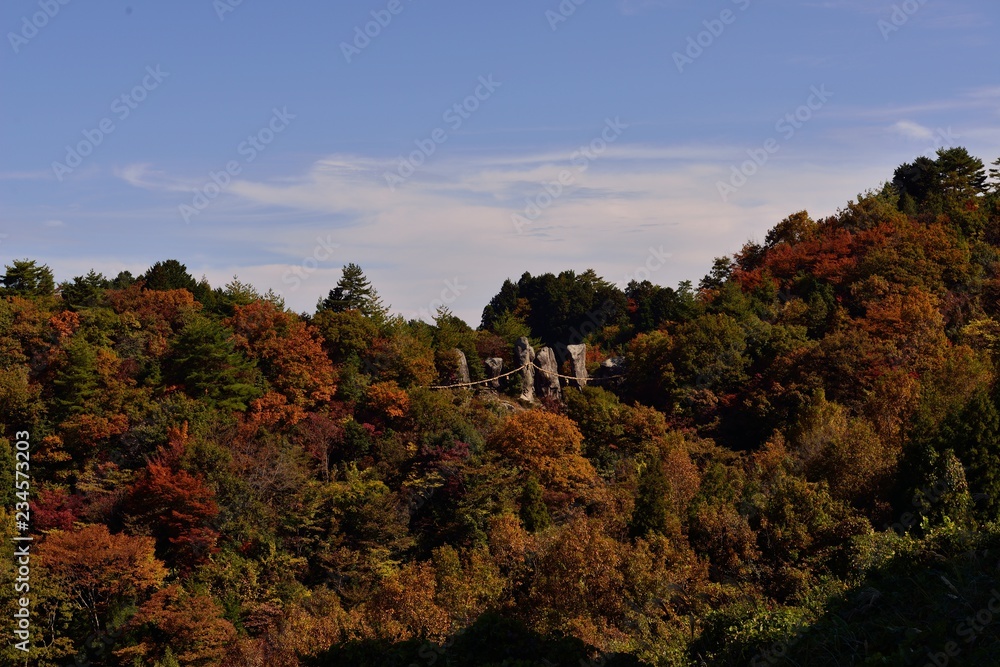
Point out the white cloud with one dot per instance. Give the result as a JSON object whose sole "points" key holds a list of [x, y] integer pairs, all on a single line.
{"points": [[453, 221], [143, 175], [912, 130]]}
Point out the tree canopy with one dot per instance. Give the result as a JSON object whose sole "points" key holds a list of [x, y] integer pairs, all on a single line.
{"points": [[353, 292], [795, 457]]}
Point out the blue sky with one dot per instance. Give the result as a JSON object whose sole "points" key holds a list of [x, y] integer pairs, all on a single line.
{"points": [[603, 134]]}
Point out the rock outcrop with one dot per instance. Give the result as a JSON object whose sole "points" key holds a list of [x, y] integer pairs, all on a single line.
{"points": [[525, 354], [547, 380], [463, 366], [578, 357], [611, 368], [494, 368]]}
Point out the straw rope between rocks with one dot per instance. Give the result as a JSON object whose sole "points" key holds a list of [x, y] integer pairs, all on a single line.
{"points": [[518, 370], [472, 384]]}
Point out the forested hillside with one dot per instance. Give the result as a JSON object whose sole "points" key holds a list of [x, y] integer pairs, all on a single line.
{"points": [[794, 461]]}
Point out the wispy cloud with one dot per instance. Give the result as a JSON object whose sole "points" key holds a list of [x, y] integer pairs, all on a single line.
{"points": [[143, 175], [985, 98], [452, 219], [455, 220], [912, 130]]}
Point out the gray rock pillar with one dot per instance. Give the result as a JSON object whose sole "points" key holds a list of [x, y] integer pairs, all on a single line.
{"points": [[525, 354], [546, 380], [463, 366], [494, 367], [578, 356]]}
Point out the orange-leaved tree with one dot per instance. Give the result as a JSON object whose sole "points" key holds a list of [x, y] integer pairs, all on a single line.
{"points": [[101, 573], [549, 446], [289, 353], [176, 626]]}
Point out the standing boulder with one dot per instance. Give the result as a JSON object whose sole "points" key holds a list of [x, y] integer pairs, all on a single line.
{"points": [[611, 370], [525, 354], [578, 357], [463, 366], [494, 367], [547, 379]]}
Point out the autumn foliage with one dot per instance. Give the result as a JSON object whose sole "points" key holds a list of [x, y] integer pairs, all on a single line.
{"points": [[796, 456]]}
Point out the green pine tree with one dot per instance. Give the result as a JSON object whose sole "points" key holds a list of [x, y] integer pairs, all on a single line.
{"points": [[651, 512], [75, 384], [25, 278], [123, 280], [945, 493], [534, 513], [169, 275], [84, 291], [974, 435], [354, 292], [203, 359]]}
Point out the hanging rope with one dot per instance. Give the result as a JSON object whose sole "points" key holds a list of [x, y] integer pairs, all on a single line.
{"points": [[472, 384], [574, 378], [518, 370]]}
